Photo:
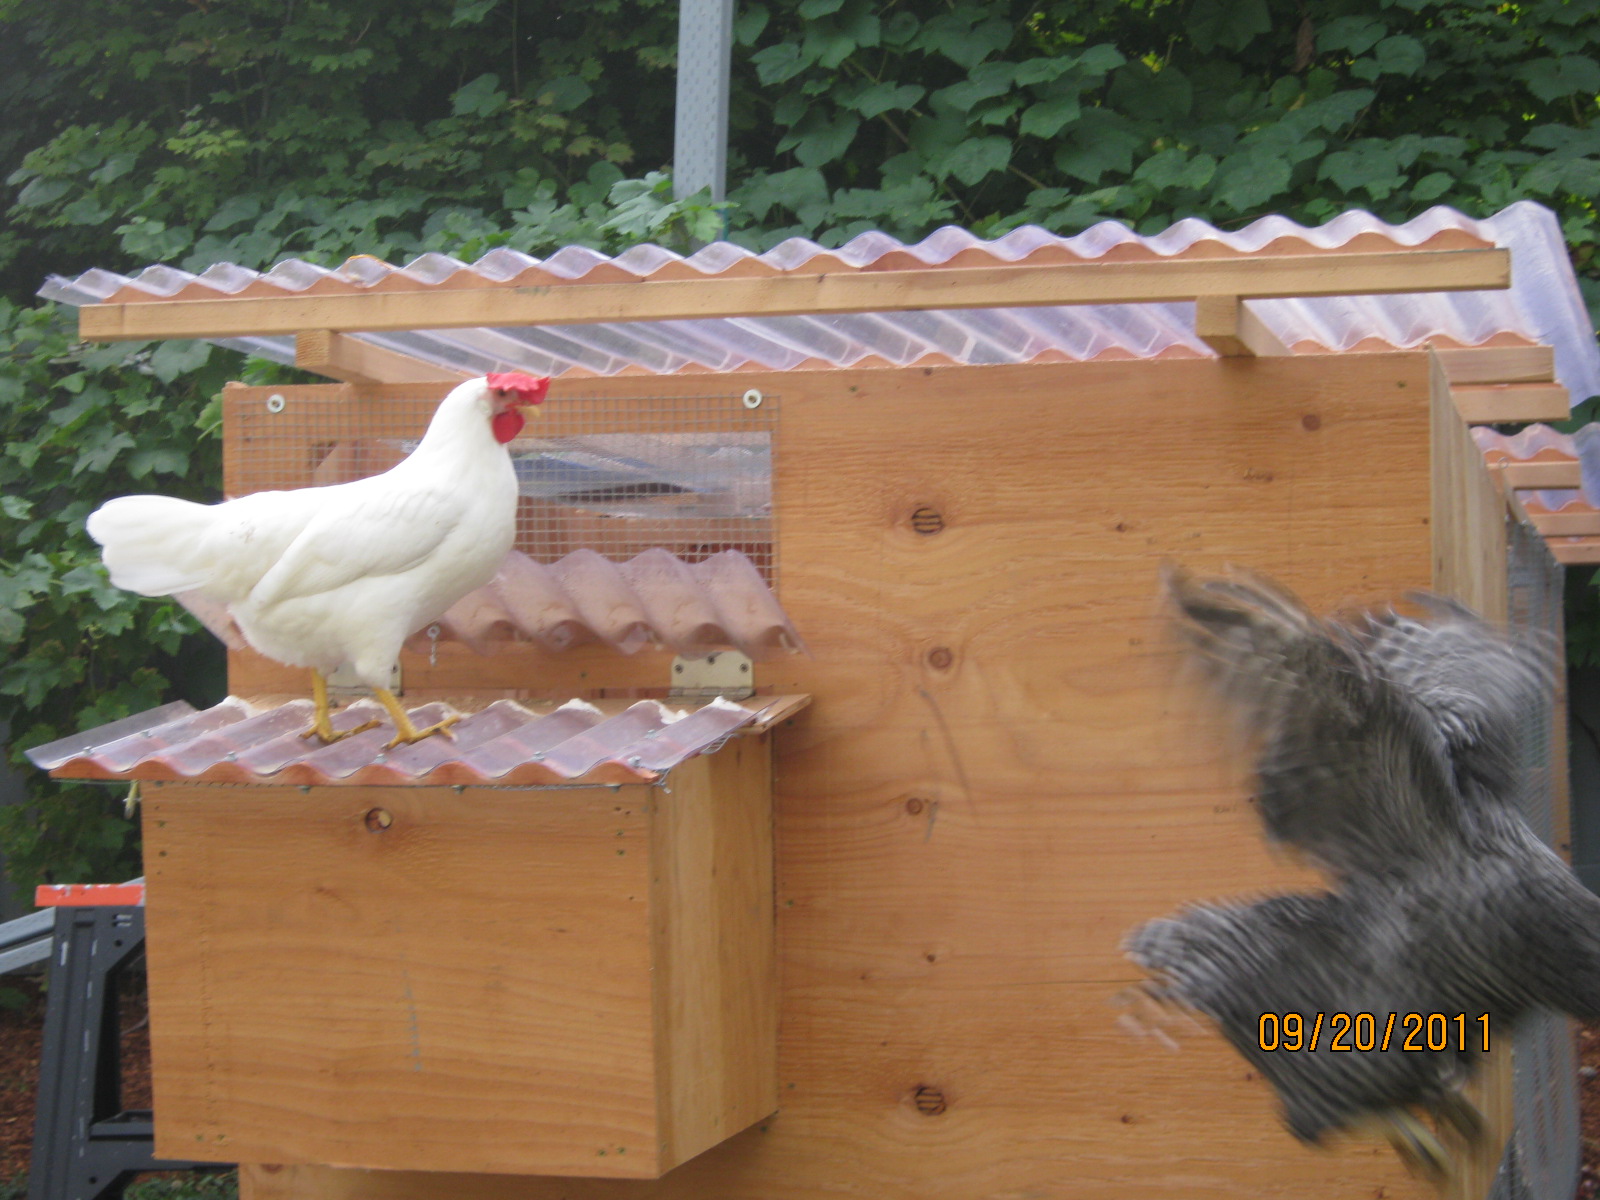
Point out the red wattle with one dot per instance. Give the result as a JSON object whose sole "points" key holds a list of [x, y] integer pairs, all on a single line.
{"points": [[506, 425]]}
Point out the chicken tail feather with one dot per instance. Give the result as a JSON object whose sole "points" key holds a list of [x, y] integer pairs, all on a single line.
{"points": [[148, 543]]}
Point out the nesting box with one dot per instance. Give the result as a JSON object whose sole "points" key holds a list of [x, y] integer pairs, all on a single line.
{"points": [[573, 982], [979, 455]]}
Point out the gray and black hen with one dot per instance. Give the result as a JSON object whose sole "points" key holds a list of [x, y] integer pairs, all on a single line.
{"points": [[1388, 756]]}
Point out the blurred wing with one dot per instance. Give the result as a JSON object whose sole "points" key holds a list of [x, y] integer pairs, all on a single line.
{"points": [[376, 532], [1333, 953], [1476, 682], [1351, 771]]}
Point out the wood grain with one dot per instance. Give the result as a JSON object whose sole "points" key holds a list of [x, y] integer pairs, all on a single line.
{"points": [[1502, 403], [1498, 364], [1232, 329], [324, 352], [998, 776], [572, 982], [1003, 286]]}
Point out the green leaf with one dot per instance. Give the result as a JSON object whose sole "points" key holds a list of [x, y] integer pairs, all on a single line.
{"points": [[810, 10], [1354, 35], [15, 507], [988, 80], [471, 12], [1400, 55], [157, 461], [817, 140], [235, 210], [43, 191], [1175, 169], [975, 159], [779, 63], [172, 359], [565, 93], [1551, 78], [1046, 118], [880, 98], [100, 450], [1432, 186], [749, 24], [1247, 182], [481, 97], [1099, 141], [1229, 24]]}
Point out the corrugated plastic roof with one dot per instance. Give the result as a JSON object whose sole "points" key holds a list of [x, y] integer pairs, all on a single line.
{"points": [[504, 744], [1543, 303], [1540, 443], [654, 599]]}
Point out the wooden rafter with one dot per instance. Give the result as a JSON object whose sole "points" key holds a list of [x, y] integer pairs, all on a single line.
{"points": [[1566, 524], [1232, 329], [1021, 284], [1511, 403], [1575, 552], [323, 352], [1538, 475], [1498, 364]]}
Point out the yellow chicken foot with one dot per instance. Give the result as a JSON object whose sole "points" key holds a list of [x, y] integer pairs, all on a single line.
{"points": [[322, 723], [405, 731]]}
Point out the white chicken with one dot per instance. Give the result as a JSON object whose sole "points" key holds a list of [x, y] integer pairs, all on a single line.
{"points": [[324, 577]]}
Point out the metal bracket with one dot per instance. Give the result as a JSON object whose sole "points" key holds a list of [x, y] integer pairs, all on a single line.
{"points": [[725, 673]]}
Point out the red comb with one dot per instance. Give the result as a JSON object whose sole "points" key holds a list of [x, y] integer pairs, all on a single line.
{"points": [[531, 390]]}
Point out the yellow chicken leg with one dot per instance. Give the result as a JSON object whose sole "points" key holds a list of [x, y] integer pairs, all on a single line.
{"points": [[322, 724], [405, 731]]}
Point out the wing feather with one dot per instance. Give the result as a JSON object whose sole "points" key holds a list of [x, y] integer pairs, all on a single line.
{"points": [[382, 531], [1351, 770]]}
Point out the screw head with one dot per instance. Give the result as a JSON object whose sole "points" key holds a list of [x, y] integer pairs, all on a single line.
{"points": [[377, 819], [276, 403], [753, 398]]}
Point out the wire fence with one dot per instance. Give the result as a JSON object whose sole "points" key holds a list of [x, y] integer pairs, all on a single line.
{"points": [[1544, 1153]]}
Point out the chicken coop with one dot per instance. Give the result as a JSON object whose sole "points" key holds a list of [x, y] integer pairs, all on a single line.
{"points": [[885, 522]]}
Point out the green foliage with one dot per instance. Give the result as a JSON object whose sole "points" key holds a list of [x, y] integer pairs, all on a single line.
{"points": [[1153, 110], [192, 133], [186, 1185], [79, 424]]}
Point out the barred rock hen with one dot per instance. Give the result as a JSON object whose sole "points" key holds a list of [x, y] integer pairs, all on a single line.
{"points": [[1389, 757], [323, 577]]}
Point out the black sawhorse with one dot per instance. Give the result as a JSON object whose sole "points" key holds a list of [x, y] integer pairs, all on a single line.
{"points": [[86, 1146]]}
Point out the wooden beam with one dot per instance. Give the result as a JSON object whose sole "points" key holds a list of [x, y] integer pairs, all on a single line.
{"points": [[1228, 326], [1573, 554], [1499, 364], [1566, 524], [1511, 403], [1016, 285], [324, 352], [1533, 476]]}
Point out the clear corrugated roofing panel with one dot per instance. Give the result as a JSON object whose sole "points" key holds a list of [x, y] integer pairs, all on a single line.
{"points": [[502, 745], [1542, 305], [653, 599]]}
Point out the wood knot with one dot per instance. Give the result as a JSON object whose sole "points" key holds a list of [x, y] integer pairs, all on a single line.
{"points": [[929, 1101], [940, 658], [1311, 422], [377, 819], [915, 805]]}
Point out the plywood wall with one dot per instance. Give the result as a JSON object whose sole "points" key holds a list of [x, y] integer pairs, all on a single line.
{"points": [[998, 776]]}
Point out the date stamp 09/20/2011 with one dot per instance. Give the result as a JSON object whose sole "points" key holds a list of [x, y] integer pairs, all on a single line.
{"points": [[1362, 1032]]}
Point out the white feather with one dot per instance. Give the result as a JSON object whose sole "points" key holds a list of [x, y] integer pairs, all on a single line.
{"points": [[327, 576]]}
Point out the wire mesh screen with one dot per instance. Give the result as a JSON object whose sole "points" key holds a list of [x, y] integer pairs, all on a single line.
{"points": [[1543, 1157], [617, 475]]}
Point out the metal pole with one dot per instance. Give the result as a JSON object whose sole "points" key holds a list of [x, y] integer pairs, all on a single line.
{"points": [[700, 135]]}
